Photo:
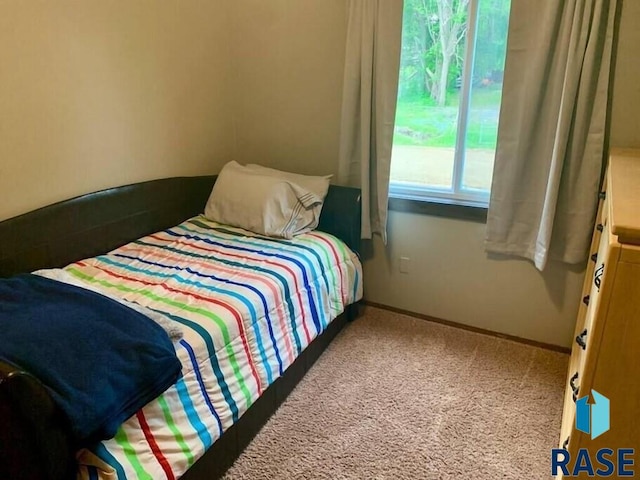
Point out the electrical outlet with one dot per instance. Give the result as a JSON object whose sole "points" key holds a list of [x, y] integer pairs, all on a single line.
{"points": [[404, 264]]}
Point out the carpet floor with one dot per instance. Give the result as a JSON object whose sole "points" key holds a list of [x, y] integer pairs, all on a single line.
{"points": [[398, 397]]}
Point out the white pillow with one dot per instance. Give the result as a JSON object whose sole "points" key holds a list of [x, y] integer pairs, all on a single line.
{"points": [[265, 204]]}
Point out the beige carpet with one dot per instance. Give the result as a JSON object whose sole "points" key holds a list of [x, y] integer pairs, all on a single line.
{"points": [[398, 397]]}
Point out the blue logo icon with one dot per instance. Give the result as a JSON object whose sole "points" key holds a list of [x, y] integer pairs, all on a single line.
{"points": [[592, 418]]}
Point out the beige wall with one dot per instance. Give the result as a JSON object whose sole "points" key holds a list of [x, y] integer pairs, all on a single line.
{"points": [[287, 63], [98, 94], [451, 277], [625, 117]]}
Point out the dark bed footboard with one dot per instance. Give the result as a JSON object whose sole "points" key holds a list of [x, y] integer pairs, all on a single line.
{"points": [[34, 443], [34, 439]]}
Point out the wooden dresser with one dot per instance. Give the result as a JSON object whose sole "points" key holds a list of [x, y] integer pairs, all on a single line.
{"points": [[605, 354]]}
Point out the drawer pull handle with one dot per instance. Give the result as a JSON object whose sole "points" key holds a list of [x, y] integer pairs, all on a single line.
{"points": [[585, 299], [600, 227], [594, 257], [580, 339], [597, 279], [602, 195], [575, 388], [572, 381], [565, 444]]}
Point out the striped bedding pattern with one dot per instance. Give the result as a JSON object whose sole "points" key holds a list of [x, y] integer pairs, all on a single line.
{"points": [[248, 306]]}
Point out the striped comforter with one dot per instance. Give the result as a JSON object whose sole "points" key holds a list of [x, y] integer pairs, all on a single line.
{"points": [[248, 306]]}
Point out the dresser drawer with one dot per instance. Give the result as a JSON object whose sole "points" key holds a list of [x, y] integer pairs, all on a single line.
{"points": [[568, 420], [595, 308], [591, 264]]}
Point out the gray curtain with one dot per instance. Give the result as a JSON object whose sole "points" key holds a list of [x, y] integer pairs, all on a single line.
{"points": [[369, 105], [552, 129]]}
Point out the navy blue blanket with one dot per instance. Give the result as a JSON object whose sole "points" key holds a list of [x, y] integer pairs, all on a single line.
{"points": [[100, 360]]}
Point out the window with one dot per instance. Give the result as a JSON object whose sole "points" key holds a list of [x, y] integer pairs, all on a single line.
{"points": [[449, 94]]}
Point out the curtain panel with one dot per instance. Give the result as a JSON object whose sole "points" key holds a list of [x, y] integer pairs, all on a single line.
{"points": [[552, 131], [370, 89]]}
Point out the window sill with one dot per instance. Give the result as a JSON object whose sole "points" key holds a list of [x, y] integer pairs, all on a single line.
{"points": [[439, 208]]}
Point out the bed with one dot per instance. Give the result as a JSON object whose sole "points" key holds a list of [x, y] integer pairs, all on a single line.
{"points": [[148, 229]]}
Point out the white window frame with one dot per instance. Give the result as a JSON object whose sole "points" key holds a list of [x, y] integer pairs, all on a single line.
{"points": [[457, 194]]}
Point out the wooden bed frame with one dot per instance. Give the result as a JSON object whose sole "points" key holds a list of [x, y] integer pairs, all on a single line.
{"points": [[33, 431]]}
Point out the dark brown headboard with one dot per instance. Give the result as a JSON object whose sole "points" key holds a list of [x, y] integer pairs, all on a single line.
{"points": [[96, 223]]}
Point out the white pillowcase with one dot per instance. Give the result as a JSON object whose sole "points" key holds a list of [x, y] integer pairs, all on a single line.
{"points": [[266, 201], [316, 184]]}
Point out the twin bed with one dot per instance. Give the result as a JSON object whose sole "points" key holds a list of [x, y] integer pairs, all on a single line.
{"points": [[254, 313]]}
